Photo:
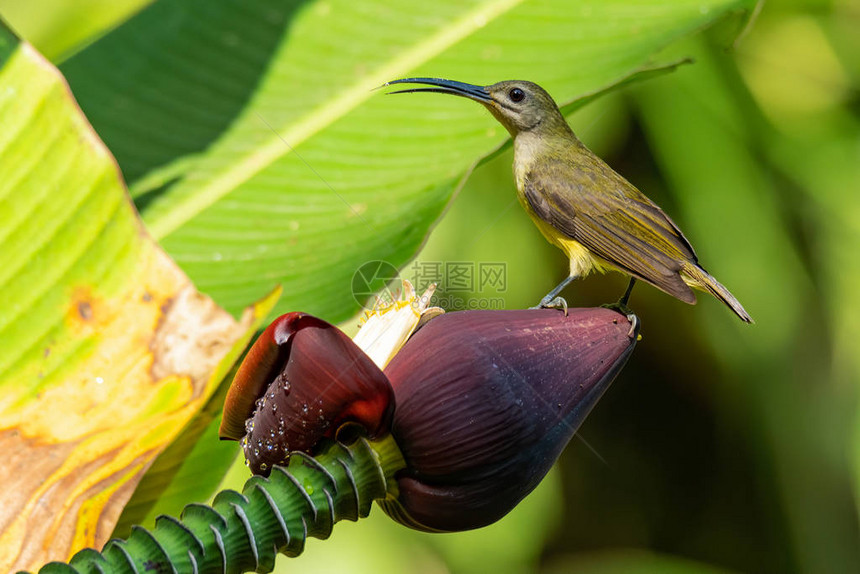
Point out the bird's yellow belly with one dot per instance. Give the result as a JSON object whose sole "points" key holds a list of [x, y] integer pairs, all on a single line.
{"points": [[582, 261]]}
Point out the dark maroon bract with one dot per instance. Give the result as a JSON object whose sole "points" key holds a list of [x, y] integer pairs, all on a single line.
{"points": [[302, 380]]}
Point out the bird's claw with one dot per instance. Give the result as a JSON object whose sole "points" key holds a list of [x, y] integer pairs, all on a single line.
{"points": [[634, 324], [557, 303]]}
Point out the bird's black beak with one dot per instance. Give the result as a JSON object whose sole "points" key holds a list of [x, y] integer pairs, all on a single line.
{"points": [[478, 93]]}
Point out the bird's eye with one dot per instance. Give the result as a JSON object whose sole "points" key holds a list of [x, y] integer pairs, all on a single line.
{"points": [[516, 95]]}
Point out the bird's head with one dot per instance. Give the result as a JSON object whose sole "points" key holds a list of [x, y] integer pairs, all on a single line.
{"points": [[520, 106]]}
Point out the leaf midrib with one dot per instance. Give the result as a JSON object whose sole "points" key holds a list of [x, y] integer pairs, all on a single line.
{"points": [[295, 133]]}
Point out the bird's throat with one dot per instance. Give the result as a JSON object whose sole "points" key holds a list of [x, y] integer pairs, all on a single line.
{"points": [[528, 147]]}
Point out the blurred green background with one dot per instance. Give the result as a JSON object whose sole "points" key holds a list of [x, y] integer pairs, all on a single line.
{"points": [[721, 446]]}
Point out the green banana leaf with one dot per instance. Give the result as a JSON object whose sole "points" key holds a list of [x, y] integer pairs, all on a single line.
{"points": [[106, 348], [58, 28]]}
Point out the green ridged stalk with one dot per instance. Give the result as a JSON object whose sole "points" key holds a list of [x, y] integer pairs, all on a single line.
{"points": [[244, 532]]}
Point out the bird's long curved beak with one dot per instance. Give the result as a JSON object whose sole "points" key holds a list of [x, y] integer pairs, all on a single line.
{"points": [[471, 91]]}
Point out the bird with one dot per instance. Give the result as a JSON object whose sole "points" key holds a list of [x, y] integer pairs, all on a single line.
{"points": [[581, 205]]}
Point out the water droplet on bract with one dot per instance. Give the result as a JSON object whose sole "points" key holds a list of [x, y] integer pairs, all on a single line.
{"points": [[283, 383], [271, 394], [247, 462], [274, 408], [263, 466], [249, 425], [305, 408], [256, 452], [259, 442]]}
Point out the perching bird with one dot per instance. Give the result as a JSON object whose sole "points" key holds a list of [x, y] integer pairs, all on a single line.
{"points": [[598, 218]]}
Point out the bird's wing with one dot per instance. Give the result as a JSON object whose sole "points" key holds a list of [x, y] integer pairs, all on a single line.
{"points": [[593, 205]]}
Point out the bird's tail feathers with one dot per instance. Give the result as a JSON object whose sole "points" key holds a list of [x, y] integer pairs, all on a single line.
{"points": [[703, 280]]}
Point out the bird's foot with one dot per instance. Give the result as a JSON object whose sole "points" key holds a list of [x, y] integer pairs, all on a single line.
{"points": [[619, 307], [556, 303]]}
